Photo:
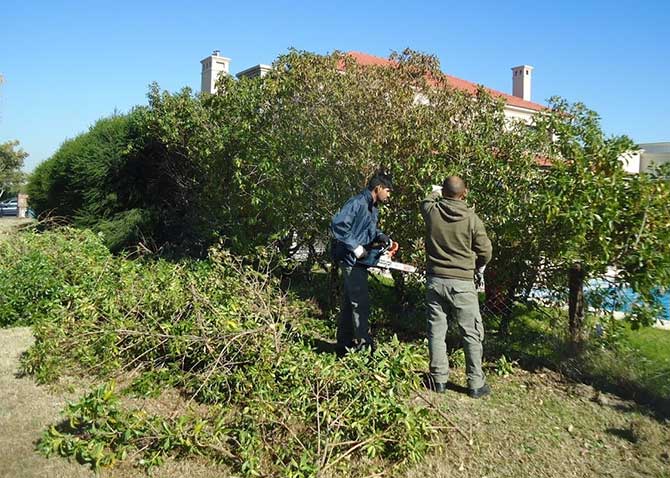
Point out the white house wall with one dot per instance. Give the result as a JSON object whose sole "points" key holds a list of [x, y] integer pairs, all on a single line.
{"points": [[631, 161]]}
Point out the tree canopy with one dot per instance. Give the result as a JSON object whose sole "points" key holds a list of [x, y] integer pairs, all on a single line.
{"points": [[272, 158], [11, 163]]}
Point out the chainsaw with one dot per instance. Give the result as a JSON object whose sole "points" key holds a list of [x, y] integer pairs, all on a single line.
{"points": [[381, 257]]}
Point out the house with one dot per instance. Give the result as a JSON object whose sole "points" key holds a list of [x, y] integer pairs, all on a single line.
{"points": [[518, 105], [216, 65], [649, 156]]}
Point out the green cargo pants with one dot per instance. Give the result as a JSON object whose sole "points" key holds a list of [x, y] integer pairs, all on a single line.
{"points": [[458, 298], [353, 327]]}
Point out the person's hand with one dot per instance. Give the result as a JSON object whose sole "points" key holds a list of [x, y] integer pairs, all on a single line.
{"points": [[479, 277], [360, 252], [435, 188], [384, 239]]}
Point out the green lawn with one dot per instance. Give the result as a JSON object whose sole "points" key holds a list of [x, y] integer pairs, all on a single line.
{"points": [[652, 344]]}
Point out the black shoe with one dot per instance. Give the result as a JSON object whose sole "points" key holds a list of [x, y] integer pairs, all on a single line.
{"points": [[366, 347], [480, 392], [440, 387], [342, 350]]}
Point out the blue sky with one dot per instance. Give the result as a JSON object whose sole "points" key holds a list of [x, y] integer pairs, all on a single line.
{"points": [[68, 63]]}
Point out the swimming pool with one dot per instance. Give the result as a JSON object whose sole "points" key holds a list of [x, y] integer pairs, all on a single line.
{"points": [[622, 300]]}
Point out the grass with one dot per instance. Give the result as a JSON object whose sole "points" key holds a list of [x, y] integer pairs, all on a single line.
{"points": [[652, 344], [9, 225], [535, 424], [636, 366]]}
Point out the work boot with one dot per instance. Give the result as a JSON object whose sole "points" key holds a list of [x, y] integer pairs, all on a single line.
{"points": [[366, 346], [480, 392], [437, 387], [440, 387]]}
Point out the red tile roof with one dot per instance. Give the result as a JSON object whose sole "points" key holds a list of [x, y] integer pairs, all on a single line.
{"points": [[365, 59]]}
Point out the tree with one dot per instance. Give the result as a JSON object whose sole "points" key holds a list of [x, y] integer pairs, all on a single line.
{"points": [[596, 216], [11, 163], [91, 181]]}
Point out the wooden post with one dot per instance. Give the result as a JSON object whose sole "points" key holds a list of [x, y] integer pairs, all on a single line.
{"points": [[22, 205]]}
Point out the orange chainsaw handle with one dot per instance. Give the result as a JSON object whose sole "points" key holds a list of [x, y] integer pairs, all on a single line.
{"points": [[393, 249]]}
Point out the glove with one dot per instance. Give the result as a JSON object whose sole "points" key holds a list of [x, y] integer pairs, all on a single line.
{"points": [[436, 188], [479, 277], [360, 252], [384, 239]]}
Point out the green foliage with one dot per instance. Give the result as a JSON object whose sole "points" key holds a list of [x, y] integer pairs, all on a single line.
{"points": [[226, 337], [38, 272], [78, 176], [269, 160], [504, 367], [595, 213], [11, 162], [95, 181]]}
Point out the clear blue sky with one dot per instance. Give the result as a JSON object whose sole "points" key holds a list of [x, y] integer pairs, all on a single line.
{"points": [[68, 63]]}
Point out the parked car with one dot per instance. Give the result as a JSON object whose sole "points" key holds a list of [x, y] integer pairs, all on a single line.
{"points": [[9, 207]]}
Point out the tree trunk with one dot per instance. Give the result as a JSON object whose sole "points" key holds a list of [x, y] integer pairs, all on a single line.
{"points": [[333, 287], [400, 287], [576, 303]]}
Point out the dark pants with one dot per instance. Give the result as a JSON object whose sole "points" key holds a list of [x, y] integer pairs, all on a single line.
{"points": [[352, 328]]}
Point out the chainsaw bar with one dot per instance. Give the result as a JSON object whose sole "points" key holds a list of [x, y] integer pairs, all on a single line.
{"points": [[387, 263]]}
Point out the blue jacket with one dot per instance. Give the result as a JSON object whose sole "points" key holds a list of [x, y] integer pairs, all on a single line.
{"points": [[354, 225]]}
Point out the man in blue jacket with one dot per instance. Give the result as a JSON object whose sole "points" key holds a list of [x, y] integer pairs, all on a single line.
{"points": [[354, 230]]}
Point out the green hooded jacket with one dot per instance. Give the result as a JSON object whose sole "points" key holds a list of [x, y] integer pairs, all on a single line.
{"points": [[456, 240]]}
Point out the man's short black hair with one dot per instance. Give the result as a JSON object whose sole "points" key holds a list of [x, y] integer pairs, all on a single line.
{"points": [[380, 179], [453, 186]]}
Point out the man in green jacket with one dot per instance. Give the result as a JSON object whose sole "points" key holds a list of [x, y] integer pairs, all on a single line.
{"points": [[457, 248]]}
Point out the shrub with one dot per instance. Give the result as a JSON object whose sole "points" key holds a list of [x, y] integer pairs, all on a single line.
{"points": [[226, 337]]}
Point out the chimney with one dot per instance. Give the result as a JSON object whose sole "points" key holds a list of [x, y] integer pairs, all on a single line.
{"points": [[256, 71], [212, 68], [521, 79]]}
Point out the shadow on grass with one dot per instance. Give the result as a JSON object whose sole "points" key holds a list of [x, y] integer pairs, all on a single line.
{"points": [[429, 384], [650, 402], [537, 340], [623, 433]]}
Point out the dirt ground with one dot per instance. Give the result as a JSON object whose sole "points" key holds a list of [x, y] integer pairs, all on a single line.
{"points": [[11, 224], [25, 411]]}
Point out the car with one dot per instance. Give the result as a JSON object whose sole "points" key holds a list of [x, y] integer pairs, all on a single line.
{"points": [[9, 207]]}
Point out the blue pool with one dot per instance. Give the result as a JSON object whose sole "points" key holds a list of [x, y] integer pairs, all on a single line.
{"points": [[624, 299]]}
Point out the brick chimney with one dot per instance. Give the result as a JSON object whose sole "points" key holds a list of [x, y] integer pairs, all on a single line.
{"points": [[521, 80]]}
